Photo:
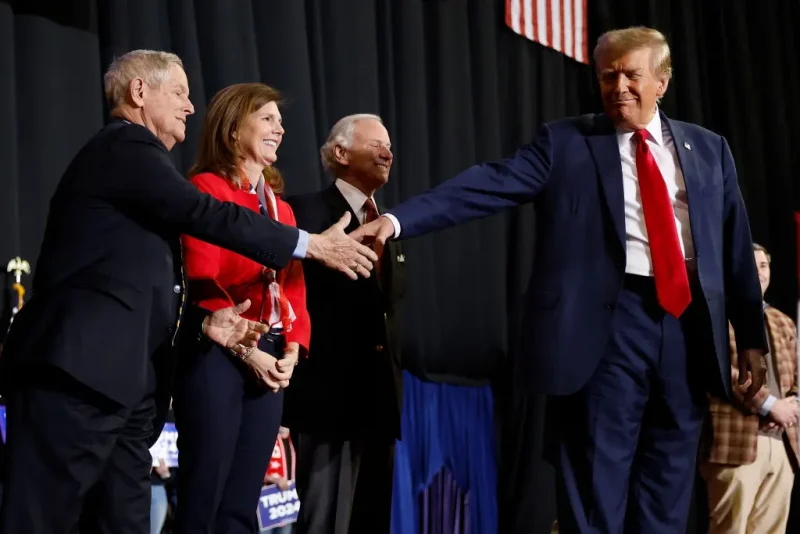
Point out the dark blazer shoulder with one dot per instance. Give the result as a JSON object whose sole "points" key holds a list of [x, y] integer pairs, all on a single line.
{"points": [[317, 211], [588, 124], [304, 200], [307, 206], [693, 129]]}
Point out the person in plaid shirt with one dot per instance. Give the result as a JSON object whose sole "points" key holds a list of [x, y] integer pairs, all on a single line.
{"points": [[751, 451]]}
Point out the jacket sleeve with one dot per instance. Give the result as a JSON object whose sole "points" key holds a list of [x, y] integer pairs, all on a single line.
{"points": [[294, 287], [480, 191], [203, 262], [752, 406], [791, 344], [742, 290], [145, 184]]}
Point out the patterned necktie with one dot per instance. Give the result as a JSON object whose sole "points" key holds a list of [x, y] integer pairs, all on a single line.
{"points": [[370, 211], [669, 266]]}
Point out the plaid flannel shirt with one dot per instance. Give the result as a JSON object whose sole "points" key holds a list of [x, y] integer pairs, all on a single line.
{"points": [[732, 435]]}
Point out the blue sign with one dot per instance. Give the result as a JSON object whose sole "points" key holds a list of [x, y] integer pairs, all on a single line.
{"points": [[166, 447], [277, 508], [3, 422]]}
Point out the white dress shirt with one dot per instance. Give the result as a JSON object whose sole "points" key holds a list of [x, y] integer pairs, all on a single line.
{"points": [[355, 198], [662, 147]]}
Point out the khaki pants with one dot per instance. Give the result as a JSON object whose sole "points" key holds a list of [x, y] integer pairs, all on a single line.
{"points": [[754, 498]]}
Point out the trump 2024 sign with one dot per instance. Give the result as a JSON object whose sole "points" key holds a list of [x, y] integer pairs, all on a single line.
{"points": [[276, 507]]}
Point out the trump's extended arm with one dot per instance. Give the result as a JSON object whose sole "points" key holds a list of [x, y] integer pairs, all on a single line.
{"points": [[742, 289], [480, 191]]}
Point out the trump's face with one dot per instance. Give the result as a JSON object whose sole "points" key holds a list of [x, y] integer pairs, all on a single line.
{"points": [[630, 88], [166, 107]]}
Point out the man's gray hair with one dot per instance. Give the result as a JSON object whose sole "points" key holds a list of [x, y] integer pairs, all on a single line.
{"points": [[152, 66], [341, 134]]}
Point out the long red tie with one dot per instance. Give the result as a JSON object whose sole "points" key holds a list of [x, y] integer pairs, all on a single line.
{"points": [[669, 266]]}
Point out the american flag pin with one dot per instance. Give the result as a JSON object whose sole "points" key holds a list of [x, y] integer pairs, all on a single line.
{"points": [[687, 146]]}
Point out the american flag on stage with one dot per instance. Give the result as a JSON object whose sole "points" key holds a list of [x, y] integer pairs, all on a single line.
{"points": [[558, 24]]}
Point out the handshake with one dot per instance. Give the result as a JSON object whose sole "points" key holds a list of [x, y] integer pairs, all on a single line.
{"points": [[350, 254]]}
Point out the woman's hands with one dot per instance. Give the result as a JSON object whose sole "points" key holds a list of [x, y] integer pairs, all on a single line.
{"points": [[290, 356], [272, 372], [266, 368]]}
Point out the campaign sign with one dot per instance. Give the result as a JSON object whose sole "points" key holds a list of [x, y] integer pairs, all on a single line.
{"points": [[3, 421], [166, 447], [277, 508]]}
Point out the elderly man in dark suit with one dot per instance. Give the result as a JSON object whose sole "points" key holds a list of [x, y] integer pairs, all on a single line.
{"points": [[643, 244], [343, 407], [87, 364]]}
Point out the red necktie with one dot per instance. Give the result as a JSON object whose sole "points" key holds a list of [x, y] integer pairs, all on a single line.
{"points": [[669, 266], [370, 211]]}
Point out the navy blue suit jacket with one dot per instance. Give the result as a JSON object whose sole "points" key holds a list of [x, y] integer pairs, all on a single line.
{"points": [[572, 171]]}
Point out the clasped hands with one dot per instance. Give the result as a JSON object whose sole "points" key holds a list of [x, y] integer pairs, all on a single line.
{"points": [[229, 329], [784, 413]]}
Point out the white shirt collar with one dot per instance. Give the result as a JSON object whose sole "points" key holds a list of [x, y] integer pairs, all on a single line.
{"points": [[353, 195], [653, 128]]}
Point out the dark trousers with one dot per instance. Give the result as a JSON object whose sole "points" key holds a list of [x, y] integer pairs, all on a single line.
{"points": [[227, 426], [625, 445], [344, 486], [75, 456]]}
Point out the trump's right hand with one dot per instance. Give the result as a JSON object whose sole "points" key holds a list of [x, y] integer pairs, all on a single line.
{"points": [[375, 233], [334, 249]]}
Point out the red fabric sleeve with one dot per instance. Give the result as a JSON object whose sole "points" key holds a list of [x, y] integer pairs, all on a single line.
{"points": [[202, 260], [294, 287]]}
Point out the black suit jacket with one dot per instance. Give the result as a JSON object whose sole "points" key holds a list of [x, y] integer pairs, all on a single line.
{"points": [[107, 292], [351, 383]]}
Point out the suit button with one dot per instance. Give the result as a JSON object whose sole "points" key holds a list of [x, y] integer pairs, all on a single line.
{"points": [[378, 348], [609, 306], [176, 288]]}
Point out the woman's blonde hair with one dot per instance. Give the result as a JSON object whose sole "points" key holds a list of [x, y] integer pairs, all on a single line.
{"points": [[219, 153]]}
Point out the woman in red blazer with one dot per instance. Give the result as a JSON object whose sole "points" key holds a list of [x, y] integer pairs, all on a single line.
{"points": [[228, 407]]}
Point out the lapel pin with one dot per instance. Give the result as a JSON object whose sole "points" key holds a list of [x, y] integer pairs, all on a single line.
{"points": [[401, 258], [687, 145]]}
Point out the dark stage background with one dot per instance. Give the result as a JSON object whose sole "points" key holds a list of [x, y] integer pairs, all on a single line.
{"points": [[455, 86]]}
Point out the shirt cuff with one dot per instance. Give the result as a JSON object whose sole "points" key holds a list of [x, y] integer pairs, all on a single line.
{"points": [[302, 245], [767, 406], [395, 223]]}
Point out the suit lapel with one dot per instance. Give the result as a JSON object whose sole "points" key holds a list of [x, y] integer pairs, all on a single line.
{"points": [[687, 159], [338, 206], [605, 151]]}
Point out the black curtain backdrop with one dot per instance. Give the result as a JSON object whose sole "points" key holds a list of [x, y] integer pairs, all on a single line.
{"points": [[455, 87]]}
